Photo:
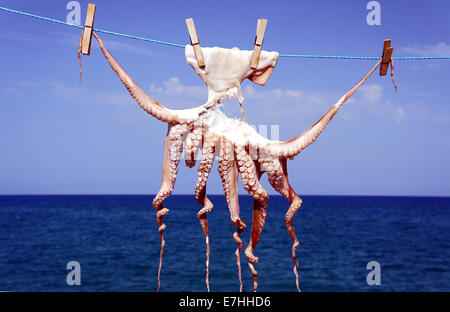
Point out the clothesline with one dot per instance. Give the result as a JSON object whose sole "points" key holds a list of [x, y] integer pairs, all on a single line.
{"points": [[339, 57]]}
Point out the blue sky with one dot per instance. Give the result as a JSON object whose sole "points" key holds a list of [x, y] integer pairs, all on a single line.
{"points": [[59, 137]]}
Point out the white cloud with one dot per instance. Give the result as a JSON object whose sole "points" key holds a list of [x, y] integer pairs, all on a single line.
{"points": [[369, 100], [371, 92], [399, 114], [174, 94], [439, 49], [262, 105], [174, 87], [305, 105], [286, 95], [250, 92], [294, 93]]}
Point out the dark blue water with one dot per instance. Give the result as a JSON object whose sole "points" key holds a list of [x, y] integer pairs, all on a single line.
{"points": [[115, 240]]}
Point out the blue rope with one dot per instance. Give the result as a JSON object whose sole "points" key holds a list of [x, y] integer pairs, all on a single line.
{"points": [[96, 29], [182, 46], [331, 57], [139, 38], [39, 17], [401, 58]]}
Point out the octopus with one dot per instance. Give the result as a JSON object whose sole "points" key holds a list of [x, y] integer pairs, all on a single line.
{"points": [[240, 150]]}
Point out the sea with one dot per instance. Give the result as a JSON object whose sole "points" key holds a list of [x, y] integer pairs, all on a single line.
{"points": [[114, 240]]}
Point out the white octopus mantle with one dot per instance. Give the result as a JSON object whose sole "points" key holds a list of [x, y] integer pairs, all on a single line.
{"points": [[224, 71]]}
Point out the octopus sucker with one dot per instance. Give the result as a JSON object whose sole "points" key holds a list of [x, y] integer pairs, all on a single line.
{"points": [[239, 148]]}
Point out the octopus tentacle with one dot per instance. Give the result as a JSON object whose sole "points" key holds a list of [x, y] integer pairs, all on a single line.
{"points": [[193, 141], [293, 146], [240, 229], [278, 178], [79, 53], [250, 174], [229, 174], [173, 148], [145, 102], [204, 169], [189, 155]]}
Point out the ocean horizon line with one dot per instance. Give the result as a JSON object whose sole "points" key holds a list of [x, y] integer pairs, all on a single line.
{"points": [[222, 195]]}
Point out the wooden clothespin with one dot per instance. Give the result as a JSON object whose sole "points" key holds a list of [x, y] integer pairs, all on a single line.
{"points": [[386, 57], [260, 30], [88, 29], [195, 42]]}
